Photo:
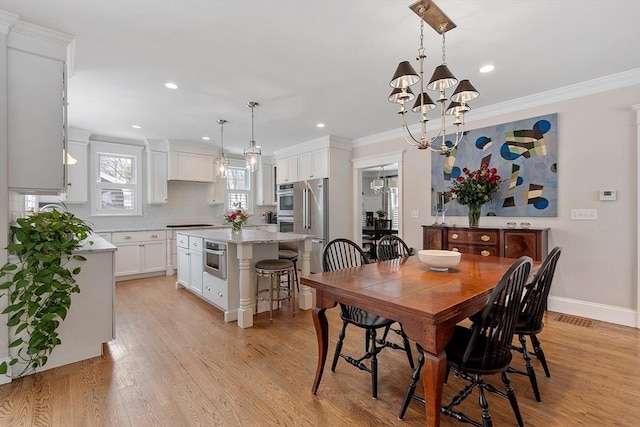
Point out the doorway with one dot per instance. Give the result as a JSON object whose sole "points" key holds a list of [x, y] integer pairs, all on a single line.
{"points": [[364, 169]]}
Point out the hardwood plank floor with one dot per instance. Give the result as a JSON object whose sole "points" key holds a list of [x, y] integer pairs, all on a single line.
{"points": [[176, 363]]}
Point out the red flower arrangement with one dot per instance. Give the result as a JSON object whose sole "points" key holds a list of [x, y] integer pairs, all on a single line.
{"points": [[476, 187], [236, 217]]}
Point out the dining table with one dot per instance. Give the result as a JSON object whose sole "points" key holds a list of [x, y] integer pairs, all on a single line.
{"points": [[427, 303]]}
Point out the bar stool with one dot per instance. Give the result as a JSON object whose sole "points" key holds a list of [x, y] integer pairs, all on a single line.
{"points": [[275, 269], [291, 255]]}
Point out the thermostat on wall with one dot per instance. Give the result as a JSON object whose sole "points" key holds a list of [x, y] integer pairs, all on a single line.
{"points": [[607, 194]]}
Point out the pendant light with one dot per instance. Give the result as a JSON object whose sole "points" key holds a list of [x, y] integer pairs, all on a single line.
{"points": [[253, 153], [222, 163]]}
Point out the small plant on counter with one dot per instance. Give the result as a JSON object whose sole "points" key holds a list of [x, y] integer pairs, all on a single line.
{"points": [[39, 284], [381, 213], [236, 217]]}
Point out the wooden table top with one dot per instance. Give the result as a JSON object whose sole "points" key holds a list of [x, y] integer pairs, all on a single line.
{"points": [[408, 285]]}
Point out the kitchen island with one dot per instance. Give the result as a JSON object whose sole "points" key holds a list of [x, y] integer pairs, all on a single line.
{"points": [[235, 294]]}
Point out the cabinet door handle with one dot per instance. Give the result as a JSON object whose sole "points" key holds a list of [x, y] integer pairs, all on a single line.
{"points": [[127, 237], [454, 236], [219, 293], [207, 288], [154, 236], [485, 238], [455, 250], [485, 253]]}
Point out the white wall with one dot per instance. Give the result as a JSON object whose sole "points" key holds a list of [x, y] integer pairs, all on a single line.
{"points": [[596, 275]]}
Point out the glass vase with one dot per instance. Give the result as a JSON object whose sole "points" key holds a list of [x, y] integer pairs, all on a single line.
{"points": [[474, 214], [236, 228]]}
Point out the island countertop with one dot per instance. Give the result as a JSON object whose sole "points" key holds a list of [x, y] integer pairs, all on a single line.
{"points": [[245, 236]]}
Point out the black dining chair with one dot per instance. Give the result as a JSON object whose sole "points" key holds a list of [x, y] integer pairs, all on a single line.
{"points": [[483, 349], [344, 253], [534, 305]]}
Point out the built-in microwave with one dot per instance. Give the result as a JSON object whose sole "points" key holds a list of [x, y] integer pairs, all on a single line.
{"points": [[285, 224], [285, 200], [215, 259]]}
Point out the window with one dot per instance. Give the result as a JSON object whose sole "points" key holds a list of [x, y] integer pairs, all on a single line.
{"points": [[116, 173], [239, 187]]}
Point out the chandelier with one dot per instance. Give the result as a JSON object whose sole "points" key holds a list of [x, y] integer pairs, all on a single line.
{"points": [[442, 79], [378, 184], [382, 184], [222, 163], [252, 154]]}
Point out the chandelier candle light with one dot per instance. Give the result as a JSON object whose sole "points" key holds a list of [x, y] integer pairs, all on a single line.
{"points": [[442, 79], [253, 153], [222, 163]]}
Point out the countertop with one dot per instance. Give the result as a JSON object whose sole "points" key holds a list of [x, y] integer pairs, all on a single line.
{"points": [[210, 227], [99, 245], [245, 236]]}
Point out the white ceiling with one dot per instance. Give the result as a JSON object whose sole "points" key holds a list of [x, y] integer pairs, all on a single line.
{"points": [[316, 61]]}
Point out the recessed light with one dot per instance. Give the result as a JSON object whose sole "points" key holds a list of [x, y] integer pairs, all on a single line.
{"points": [[320, 125], [136, 126], [170, 85], [206, 138], [487, 68]]}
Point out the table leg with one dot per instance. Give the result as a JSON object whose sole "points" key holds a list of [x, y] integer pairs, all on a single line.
{"points": [[322, 333], [433, 380]]}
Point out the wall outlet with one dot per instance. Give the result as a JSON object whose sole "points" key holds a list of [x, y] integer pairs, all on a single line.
{"points": [[584, 214], [415, 214]]}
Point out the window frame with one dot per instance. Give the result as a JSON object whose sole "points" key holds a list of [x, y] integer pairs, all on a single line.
{"points": [[238, 164], [116, 150]]}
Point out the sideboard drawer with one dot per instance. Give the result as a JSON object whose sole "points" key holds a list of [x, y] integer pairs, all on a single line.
{"points": [[476, 237], [475, 249]]}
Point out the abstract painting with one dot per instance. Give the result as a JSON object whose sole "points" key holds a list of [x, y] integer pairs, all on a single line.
{"points": [[524, 152]]}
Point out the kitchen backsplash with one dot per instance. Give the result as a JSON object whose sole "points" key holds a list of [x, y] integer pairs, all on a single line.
{"points": [[186, 205]]}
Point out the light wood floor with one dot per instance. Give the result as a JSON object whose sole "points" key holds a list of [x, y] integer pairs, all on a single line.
{"points": [[176, 363]]}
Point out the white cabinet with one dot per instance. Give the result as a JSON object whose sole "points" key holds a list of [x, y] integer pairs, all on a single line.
{"points": [[140, 252], [77, 173], [36, 122], [157, 174], [217, 192], [314, 164], [266, 185], [287, 169], [190, 262], [216, 291], [191, 167]]}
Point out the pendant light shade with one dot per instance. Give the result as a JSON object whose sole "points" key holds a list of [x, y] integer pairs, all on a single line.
{"points": [[423, 104], [465, 92], [400, 96], [222, 163], [442, 78], [455, 108], [404, 76], [253, 153]]}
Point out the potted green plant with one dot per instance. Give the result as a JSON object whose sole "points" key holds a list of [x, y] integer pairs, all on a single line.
{"points": [[381, 213], [39, 283]]}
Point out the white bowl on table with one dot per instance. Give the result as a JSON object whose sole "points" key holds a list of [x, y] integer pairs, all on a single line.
{"points": [[439, 260]]}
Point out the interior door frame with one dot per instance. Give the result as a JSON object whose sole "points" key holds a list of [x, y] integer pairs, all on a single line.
{"points": [[361, 163]]}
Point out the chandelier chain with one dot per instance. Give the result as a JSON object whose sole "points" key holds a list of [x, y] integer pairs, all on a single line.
{"points": [[444, 51]]}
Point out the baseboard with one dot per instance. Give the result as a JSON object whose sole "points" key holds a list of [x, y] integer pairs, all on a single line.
{"points": [[605, 313], [6, 378]]}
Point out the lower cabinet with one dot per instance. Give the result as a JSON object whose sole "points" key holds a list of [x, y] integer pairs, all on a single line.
{"points": [[140, 252], [190, 265], [215, 290], [488, 241]]}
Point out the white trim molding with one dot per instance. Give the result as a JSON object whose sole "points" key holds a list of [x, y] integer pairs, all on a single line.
{"points": [[591, 310], [636, 107]]}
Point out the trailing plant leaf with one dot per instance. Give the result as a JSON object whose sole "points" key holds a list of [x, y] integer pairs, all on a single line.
{"points": [[39, 285]]}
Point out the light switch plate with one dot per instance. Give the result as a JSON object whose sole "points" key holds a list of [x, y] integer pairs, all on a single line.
{"points": [[608, 195], [415, 214], [584, 214]]}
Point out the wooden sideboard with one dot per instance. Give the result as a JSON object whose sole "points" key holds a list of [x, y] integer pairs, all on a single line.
{"points": [[488, 241]]}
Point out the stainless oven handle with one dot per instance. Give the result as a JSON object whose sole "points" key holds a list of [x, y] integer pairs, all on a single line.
{"points": [[220, 253]]}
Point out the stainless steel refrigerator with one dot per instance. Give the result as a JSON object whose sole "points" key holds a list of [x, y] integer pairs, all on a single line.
{"points": [[310, 216]]}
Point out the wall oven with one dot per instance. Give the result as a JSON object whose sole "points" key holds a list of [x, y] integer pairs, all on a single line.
{"points": [[285, 224], [285, 200], [215, 258]]}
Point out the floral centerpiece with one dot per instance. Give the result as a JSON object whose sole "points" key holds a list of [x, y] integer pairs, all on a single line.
{"points": [[474, 189], [236, 217]]}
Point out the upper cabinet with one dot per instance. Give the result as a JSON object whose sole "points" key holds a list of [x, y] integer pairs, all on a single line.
{"points": [[77, 172], [157, 192], [36, 108], [266, 184], [287, 169], [185, 166], [314, 164]]}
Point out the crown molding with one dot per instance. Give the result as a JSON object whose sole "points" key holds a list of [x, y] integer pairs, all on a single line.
{"points": [[7, 21], [41, 33], [590, 87]]}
